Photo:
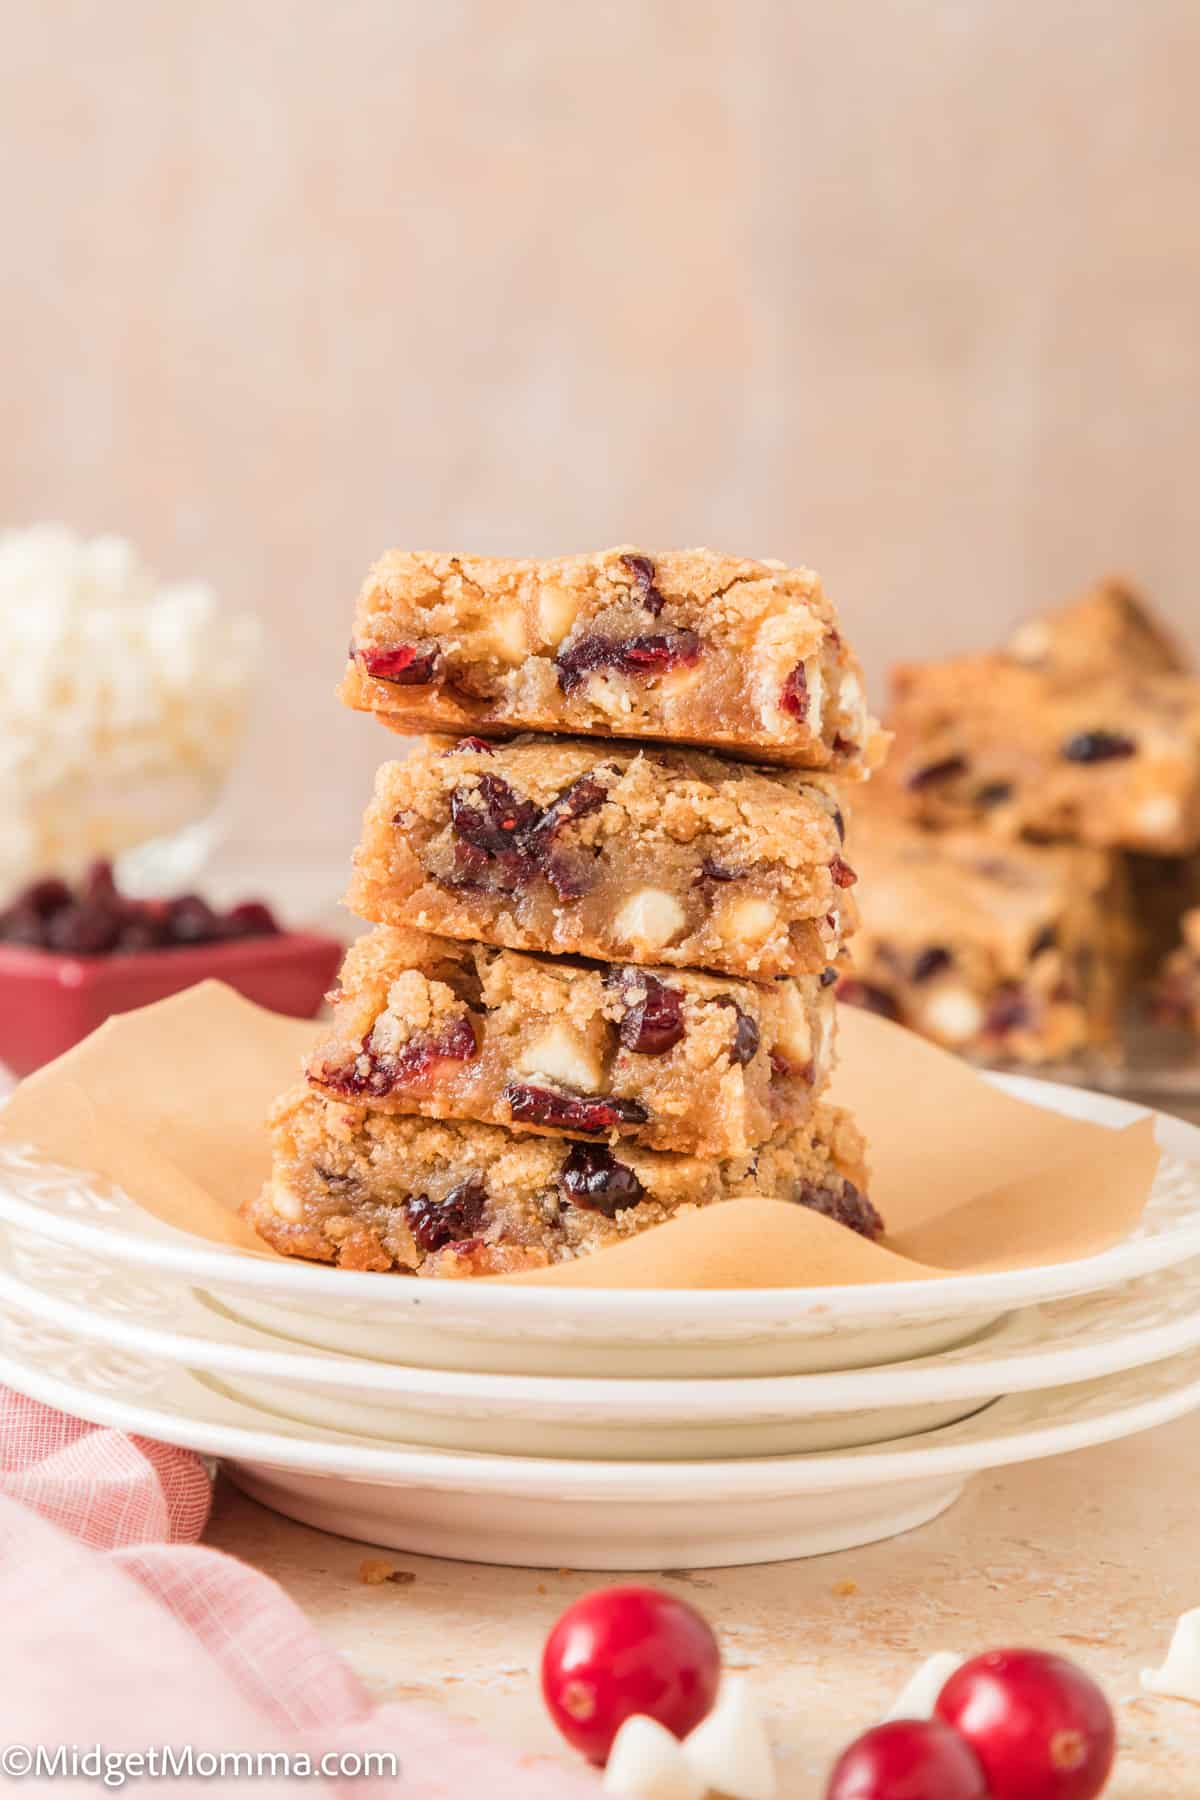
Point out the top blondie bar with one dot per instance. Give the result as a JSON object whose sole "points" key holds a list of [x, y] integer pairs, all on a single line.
{"points": [[683, 646]]}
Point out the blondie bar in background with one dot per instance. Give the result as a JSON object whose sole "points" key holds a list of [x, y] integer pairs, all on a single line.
{"points": [[1002, 951]]}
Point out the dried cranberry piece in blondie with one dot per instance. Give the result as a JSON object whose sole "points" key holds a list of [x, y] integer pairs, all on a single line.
{"points": [[436, 1223], [654, 1024], [794, 697], [594, 1178], [1098, 746], [532, 1105], [931, 962], [489, 816], [648, 653], [642, 569], [946, 769], [374, 1075], [407, 665], [745, 1036], [844, 1204]]}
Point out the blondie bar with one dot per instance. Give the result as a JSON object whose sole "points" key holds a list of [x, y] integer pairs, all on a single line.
{"points": [[627, 855], [372, 1190], [688, 646], [1110, 630], [1112, 762], [999, 951], [1177, 991], [669, 1059]]}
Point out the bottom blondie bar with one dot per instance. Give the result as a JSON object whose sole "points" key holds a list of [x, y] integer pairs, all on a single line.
{"points": [[369, 1190], [1004, 952]]}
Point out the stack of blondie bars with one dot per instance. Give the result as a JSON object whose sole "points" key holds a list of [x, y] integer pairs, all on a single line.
{"points": [[609, 900], [1033, 843]]}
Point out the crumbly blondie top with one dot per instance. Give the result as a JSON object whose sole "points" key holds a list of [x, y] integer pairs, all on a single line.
{"points": [[1105, 761], [689, 646], [1110, 630], [371, 1190], [669, 1059], [1000, 950], [626, 855]]}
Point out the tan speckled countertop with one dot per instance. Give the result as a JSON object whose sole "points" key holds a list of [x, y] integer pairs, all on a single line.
{"points": [[1093, 1555]]}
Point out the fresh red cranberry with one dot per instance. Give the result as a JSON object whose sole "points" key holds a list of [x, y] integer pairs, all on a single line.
{"points": [[931, 962], [794, 697], [570, 1112], [593, 1178], [844, 876], [651, 653], [406, 665], [655, 1024], [868, 996], [627, 1650], [191, 920], [1041, 1728], [1098, 746], [745, 1035], [85, 928], [45, 898], [642, 570], [436, 1223], [933, 773], [908, 1759], [252, 918], [845, 1204]]}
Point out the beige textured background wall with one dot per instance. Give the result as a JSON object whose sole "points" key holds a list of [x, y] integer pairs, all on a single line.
{"points": [[909, 292]]}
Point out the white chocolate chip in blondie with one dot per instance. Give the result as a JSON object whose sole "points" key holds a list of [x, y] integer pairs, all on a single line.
{"points": [[953, 1015], [286, 1204], [562, 1056], [795, 1038], [557, 610], [506, 634], [750, 920], [649, 919]]}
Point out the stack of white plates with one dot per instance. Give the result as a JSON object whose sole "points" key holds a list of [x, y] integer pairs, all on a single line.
{"points": [[594, 1429]]}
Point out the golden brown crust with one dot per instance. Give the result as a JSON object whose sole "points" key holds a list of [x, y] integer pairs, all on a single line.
{"points": [[684, 646]]}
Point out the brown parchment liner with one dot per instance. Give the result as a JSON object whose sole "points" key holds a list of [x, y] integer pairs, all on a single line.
{"points": [[169, 1102]]}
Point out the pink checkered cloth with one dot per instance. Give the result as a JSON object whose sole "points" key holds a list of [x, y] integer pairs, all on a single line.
{"points": [[117, 1629]]}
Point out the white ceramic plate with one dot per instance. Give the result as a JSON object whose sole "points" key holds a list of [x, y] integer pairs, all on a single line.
{"points": [[544, 1513], [516, 1330], [1048, 1346]]}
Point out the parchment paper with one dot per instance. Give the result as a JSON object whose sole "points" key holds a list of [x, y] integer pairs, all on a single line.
{"points": [[169, 1103]]}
